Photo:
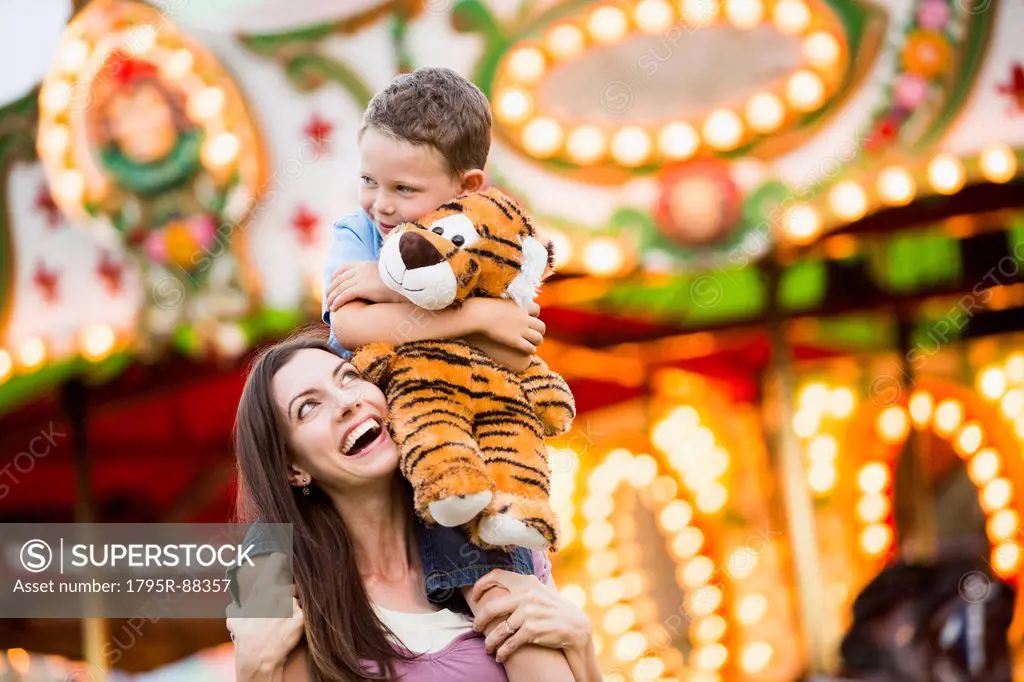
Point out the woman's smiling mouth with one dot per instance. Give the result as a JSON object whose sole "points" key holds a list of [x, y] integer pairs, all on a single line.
{"points": [[362, 437]]}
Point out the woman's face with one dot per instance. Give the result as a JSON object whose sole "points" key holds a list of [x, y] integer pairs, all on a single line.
{"points": [[334, 421]]}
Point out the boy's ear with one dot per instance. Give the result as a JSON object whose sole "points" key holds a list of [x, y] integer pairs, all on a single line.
{"points": [[472, 181]]}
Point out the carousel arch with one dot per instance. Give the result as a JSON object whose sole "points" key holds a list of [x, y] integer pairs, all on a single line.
{"points": [[958, 415], [981, 439]]}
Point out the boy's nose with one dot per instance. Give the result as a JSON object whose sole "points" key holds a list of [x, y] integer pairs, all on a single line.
{"points": [[417, 252]]}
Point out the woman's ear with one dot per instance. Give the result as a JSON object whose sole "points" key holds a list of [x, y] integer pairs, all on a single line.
{"points": [[472, 181], [297, 477]]}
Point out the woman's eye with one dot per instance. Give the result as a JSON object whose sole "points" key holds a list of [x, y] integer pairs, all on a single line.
{"points": [[367, 181], [405, 189], [349, 375], [302, 408]]}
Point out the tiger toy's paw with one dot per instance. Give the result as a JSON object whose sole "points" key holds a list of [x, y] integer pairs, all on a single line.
{"points": [[504, 530], [520, 522], [459, 509]]}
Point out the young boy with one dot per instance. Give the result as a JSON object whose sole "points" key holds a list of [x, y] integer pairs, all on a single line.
{"points": [[424, 140]]}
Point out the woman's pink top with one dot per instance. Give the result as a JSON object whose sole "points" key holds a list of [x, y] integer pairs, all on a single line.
{"points": [[465, 659]]}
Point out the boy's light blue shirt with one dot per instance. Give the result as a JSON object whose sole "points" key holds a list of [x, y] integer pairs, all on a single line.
{"points": [[354, 238]]}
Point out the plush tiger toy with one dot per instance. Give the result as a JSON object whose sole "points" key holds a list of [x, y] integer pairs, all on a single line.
{"points": [[469, 431]]}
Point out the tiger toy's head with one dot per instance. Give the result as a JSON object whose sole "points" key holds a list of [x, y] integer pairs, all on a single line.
{"points": [[480, 244]]}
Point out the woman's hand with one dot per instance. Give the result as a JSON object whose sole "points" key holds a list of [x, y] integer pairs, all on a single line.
{"points": [[262, 645], [535, 613]]}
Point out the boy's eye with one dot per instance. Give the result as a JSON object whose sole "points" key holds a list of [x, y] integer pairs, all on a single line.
{"points": [[367, 181]]}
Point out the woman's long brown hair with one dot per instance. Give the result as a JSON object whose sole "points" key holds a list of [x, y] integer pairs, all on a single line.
{"points": [[341, 627]]}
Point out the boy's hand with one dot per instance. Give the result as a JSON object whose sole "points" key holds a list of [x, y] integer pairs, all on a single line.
{"points": [[354, 281], [506, 323]]}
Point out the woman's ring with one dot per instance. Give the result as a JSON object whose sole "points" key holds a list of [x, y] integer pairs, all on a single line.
{"points": [[508, 629]]}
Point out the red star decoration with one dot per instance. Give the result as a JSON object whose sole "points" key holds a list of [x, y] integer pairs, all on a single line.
{"points": [[1014, 89], [319, 132], [45, 204], [111, 272], [305, 223], [47, 281]]}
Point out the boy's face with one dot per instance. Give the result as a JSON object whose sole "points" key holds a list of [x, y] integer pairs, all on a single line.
{"points": [[402, 181]]}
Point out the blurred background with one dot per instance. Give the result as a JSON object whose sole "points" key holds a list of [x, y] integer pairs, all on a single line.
{"points": [[789, 297]]}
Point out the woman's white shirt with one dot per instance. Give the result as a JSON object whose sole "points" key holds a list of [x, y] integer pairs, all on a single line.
{"points": [[424, 633]]}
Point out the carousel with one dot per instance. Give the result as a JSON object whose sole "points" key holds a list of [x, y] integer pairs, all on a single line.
{"points": [[789, 300]]}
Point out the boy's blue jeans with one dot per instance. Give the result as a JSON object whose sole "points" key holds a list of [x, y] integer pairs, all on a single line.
{"points": [[450, 562]]}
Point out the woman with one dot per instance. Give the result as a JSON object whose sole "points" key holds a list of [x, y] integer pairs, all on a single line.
{"points": [[313, 452]]}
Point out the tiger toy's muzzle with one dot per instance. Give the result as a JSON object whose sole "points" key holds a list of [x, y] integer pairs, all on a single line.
{"points": [[413, 263], [417, 251]]}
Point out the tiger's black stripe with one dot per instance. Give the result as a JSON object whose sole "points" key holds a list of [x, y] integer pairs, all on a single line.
{"points": [[438, 422], [546, 383], [417, 401], [438, 354], [529, 481], [507, 262], [435, 411], [533, 520], [500, 206], [412, 462], [556, 403], [501, 421], [513, 462], [494, 434], [501, 240]]}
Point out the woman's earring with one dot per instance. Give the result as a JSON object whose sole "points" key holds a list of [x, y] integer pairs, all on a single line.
{"points": [[305, 489]]}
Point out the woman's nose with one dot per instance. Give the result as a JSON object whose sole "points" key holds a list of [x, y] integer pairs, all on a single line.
{"points": [[346, 402]]}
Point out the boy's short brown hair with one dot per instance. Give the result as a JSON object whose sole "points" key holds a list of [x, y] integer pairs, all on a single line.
{"points": [[437, 107]]}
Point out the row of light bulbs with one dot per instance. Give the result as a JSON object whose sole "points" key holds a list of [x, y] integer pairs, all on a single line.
{"points": [[631, 145], [97, 342], [1002, 384], [847, 201], [685, 543], [893, 186], [815, 403], [984, 464], [638, 641], [94, 343], [700, 465]]}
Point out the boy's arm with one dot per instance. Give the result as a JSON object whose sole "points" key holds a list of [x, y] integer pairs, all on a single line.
{"points": [[348, 246], [358, 323], [515, 360]]}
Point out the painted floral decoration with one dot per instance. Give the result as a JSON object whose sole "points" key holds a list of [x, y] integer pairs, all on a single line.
{"points": [[926, 54]]}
